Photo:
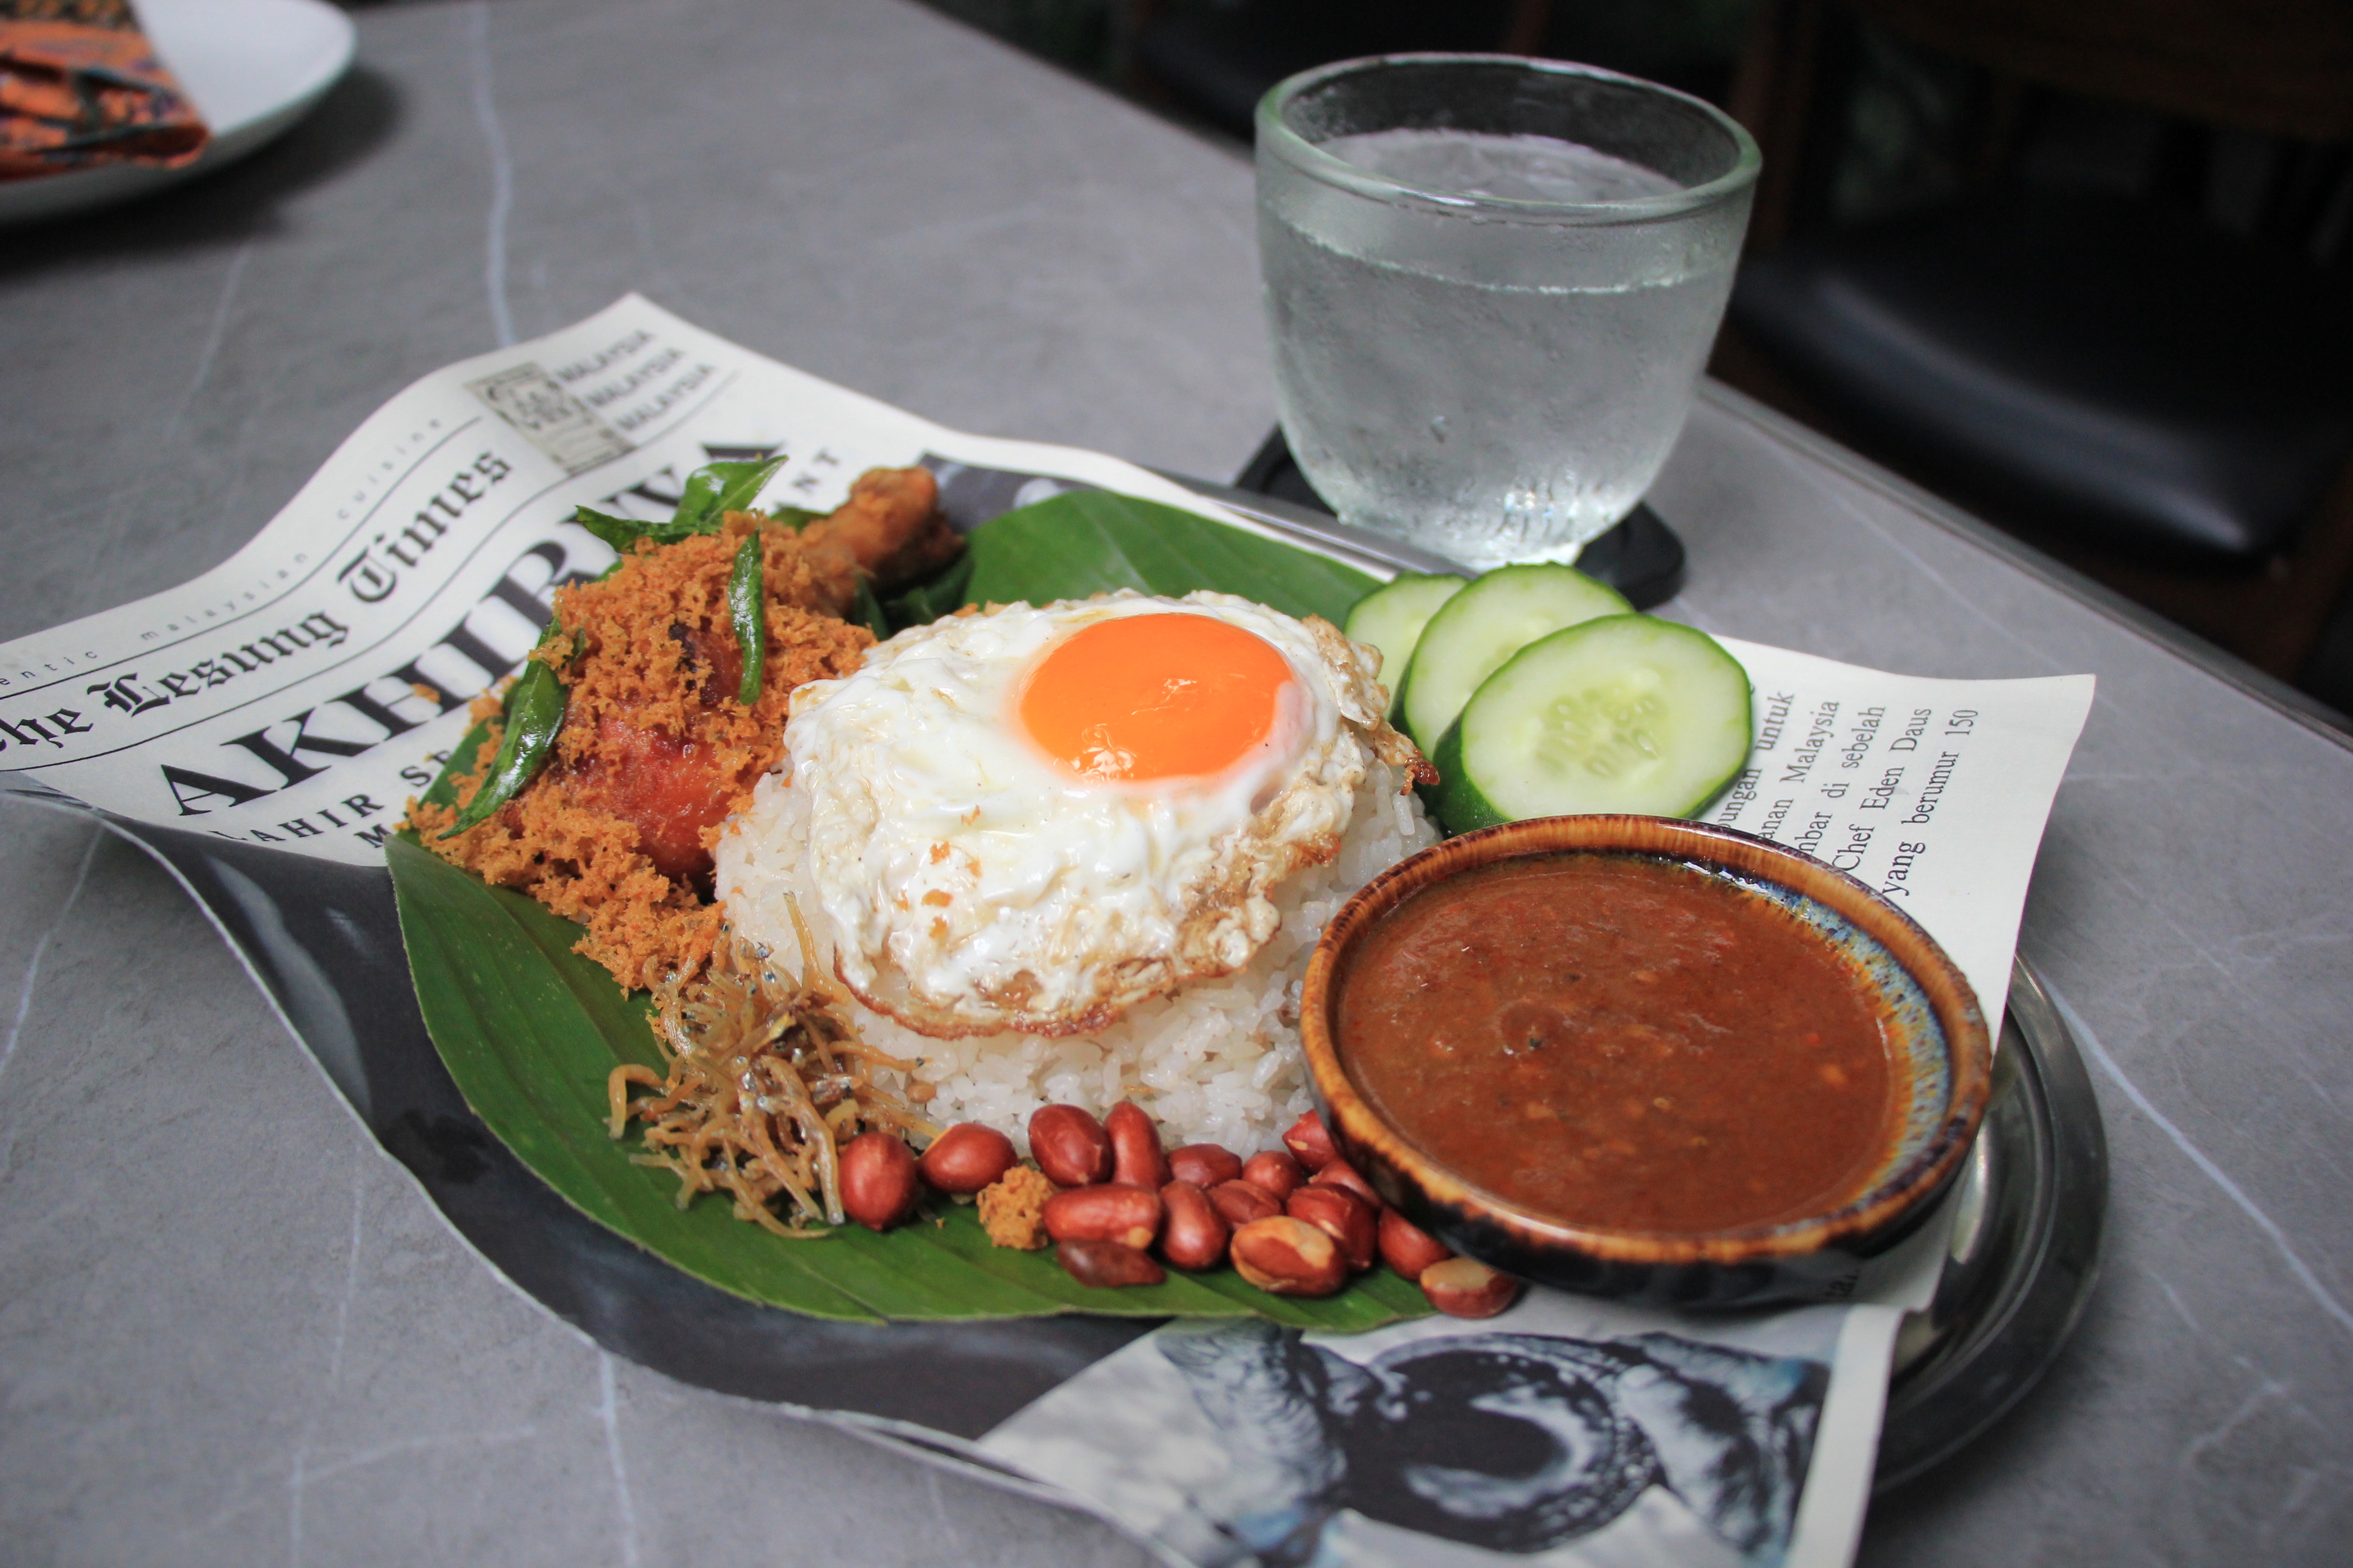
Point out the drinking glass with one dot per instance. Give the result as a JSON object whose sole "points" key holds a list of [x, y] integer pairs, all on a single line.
{"points": [[1490, 283]]}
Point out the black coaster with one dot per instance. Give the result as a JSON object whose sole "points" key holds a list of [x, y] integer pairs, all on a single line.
{"points": [[1641, 557]]}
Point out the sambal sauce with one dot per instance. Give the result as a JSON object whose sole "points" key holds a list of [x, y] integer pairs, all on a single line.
{"points": [[1621, 1042]]}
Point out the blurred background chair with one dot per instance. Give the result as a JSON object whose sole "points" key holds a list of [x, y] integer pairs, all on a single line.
{"points": [[1217, 62], [1214, 59], [2100, 365], [1207, 62], [2080, 265]]}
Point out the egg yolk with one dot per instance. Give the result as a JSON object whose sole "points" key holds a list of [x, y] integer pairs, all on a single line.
{"points": [[1150, 696]]}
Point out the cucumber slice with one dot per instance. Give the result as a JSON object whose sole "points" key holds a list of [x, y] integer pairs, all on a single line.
{"points": [[1627, 713], [1476, 630], [1391, 617]]}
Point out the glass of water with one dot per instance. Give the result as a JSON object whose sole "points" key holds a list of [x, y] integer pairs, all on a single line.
{"points": [[1490, 283]]}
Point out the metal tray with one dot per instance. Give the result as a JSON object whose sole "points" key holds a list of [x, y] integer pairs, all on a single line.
{"points": [[2030, 1203], [324, 943], [2025, 1248]]}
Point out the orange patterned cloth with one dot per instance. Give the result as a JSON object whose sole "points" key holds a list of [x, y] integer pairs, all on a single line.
{"points": [[81, 86]]}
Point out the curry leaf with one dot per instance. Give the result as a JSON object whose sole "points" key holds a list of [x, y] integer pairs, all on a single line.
{"points": [[929, 600], [623, 532], [711, 492], [715, 489], [867, 610]]}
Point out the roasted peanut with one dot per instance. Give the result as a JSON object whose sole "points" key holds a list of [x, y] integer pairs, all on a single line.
{"points": [[1105, 1212], [1466, 1288], [1240, 1203], [1195, 1234], [1342, 1216], [1311, 1141], [1407, 1248], [1286, 1257], [1275, 1172], [1338, 1173], [1204, 1165], [966, 1158], [878, 1180], [1108, 1263], [1070, 1145], [1135, 1152]]}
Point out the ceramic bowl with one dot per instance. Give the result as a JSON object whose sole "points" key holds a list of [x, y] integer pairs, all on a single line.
{"points": [[1935, 1025]]}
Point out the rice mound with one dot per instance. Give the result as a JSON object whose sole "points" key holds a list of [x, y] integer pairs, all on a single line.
{"points": [[1215, 1062]]}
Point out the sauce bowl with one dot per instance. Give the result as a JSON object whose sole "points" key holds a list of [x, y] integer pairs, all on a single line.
{"points": [[1935, 1033]]}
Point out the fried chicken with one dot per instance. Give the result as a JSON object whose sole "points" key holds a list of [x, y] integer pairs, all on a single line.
{"points": [[655, 751]]}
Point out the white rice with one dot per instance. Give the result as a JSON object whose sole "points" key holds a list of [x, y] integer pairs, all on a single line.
{"points": [[1217, 1062]]}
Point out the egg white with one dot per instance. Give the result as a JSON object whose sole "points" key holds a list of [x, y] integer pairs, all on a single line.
{"points": [[970, 884]]}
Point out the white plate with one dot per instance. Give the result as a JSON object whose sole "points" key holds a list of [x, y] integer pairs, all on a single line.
{"points": [[252, 67]]}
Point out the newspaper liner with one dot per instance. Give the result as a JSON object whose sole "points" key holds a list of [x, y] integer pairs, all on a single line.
{"points": [[299, 693]]}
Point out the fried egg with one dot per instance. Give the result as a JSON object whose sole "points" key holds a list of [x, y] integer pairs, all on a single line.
{"points": [[1031, 819]]}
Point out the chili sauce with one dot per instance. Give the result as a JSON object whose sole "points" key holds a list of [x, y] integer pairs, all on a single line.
{"points": [[1622, 1043]]}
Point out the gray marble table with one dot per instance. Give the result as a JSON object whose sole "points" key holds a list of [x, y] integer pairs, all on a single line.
{"points": [[231, 1329]]}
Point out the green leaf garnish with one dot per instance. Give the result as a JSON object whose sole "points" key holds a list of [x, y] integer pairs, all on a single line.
{"points": [[867, 610], [747, 608], [533, 712], [715, 489], [927, 601]]}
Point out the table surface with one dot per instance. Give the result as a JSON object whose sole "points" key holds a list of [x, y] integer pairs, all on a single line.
{"points": [[232, 1330]]}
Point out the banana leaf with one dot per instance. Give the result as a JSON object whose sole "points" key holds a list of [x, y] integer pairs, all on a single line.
{"points": [[530, 1029], [1090, 542]]}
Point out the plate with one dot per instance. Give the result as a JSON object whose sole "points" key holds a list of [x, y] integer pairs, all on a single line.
{"points": [[324, 942], [252, 67]]}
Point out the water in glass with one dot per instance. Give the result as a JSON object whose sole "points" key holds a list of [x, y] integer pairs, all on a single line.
{"points": [[1489, 388]]}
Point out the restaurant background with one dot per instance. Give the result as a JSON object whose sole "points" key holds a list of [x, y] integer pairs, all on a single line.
{"points": [[1891, 130], [225, 1346]]}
